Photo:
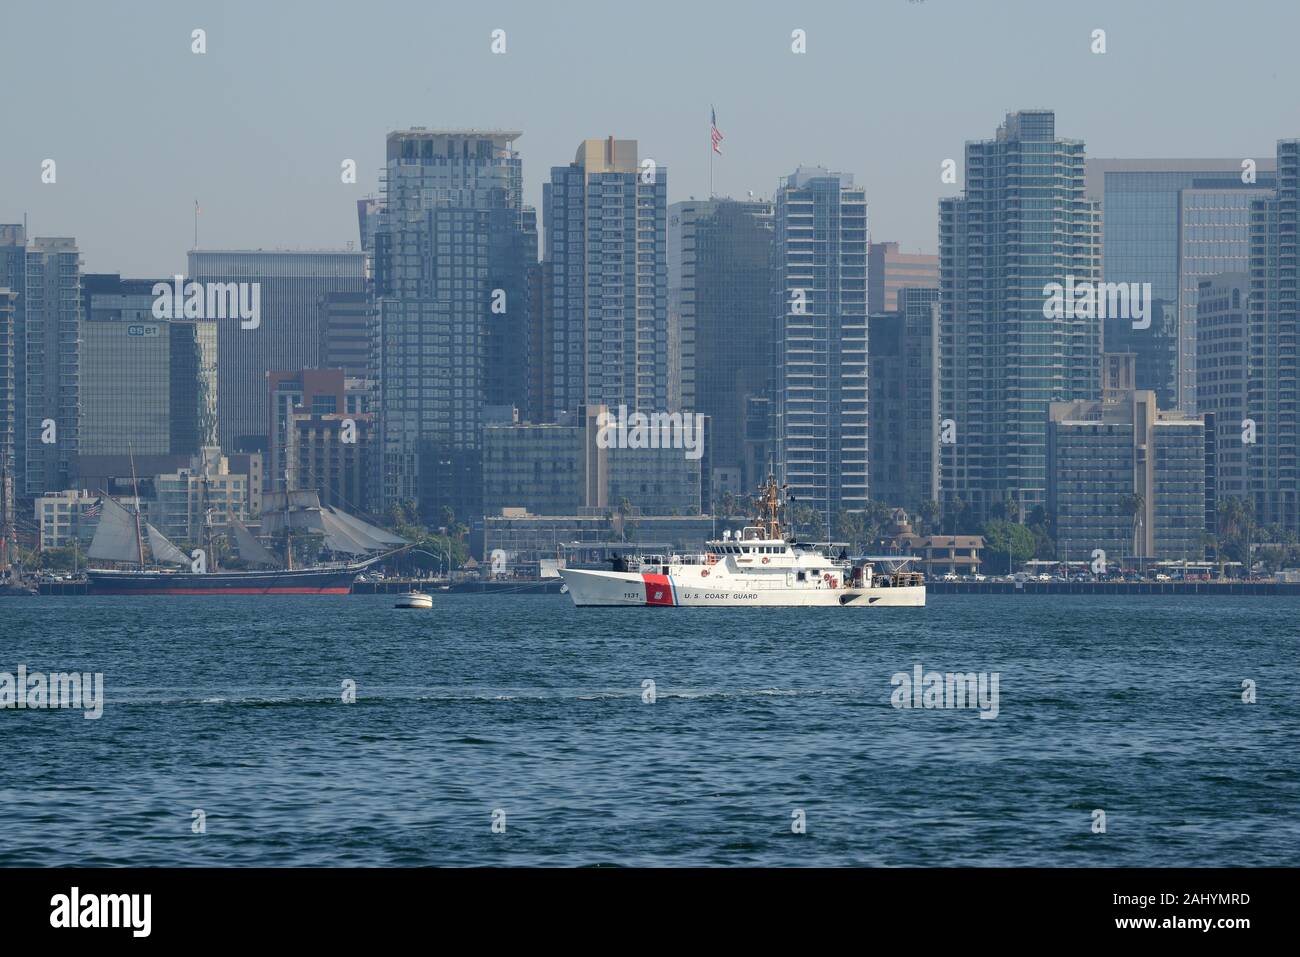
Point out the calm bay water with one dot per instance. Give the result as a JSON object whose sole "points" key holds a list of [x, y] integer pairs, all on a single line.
{"points": [[530, 706]]}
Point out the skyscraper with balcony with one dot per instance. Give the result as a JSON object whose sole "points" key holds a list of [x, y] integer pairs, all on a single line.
{"points": [[820, 341], [606, 268], [47, 342], [1273, 459], [1022, 222], [720, 277], [454, 254]]}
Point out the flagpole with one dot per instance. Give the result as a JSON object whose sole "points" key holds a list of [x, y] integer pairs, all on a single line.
{"points": [[711, 152]]}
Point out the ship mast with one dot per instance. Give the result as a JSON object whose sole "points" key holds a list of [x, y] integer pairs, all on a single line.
{"points": [[6, 526], [135, 491], [768, 504], [288, 532]]}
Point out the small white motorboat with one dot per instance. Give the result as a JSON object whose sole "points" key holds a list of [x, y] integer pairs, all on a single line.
{"points": [[414, 599]]}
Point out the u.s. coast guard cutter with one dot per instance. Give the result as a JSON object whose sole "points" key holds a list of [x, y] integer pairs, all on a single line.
{"points": [[756, 567]]}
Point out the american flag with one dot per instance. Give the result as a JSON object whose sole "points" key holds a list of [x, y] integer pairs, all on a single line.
{"points": [[717, 135], [94, 508]]}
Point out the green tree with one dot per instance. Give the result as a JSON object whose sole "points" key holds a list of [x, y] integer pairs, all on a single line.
{"points": [[853, 526], [929, 513], [1007, 544]]}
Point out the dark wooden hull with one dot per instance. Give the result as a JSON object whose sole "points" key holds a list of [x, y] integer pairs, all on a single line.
{"points": [[301, 581]]}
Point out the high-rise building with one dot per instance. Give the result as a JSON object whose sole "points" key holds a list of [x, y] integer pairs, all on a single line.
{"points": [[1273, 460], [889, 270], [820, 341], [1022, 223], [347, 333], [455, 251], [13, 277], [1223, 379], [565, 469], [48, 376], [148, 385], [1172, 223], [904, 395], [289, 287], [1127, 478], [320, 436], [8, 306], [720, 276], [607, 281]]}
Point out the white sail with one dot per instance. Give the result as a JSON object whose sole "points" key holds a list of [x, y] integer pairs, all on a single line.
{"points": [[366, 531], [115, 536], [249, 548], [163, 550]]}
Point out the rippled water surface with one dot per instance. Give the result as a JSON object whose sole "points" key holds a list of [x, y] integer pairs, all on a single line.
{"points": [[529, 707]]}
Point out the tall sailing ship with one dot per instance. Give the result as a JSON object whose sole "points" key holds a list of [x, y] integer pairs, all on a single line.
{"points": [[756, 567], [149, 564]]}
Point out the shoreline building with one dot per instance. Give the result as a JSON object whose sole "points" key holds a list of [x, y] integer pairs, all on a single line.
{"points": [[1125, 476], [567, 468], [455, 250], [1022, 223], [606, 268], [819, 312], [1172, 223]]}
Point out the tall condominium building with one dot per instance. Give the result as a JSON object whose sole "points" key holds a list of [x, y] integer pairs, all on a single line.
{"points": [[1172, 223], [1126, 478], [1022, 223], [720, 276], [1223, 379], [148, 385], [13, 277], [1273, 470], [904, 395], [889, 270], [286, 334], [48, 371], [607, 280], [454, 254], [820, 341]]}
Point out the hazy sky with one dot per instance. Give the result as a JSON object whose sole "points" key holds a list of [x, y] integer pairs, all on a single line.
{"points": [[257, 127]]}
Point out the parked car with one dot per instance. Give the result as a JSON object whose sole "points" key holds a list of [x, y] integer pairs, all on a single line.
{"points": [[951, 577]]}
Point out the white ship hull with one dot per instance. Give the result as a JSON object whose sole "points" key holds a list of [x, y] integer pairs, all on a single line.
{"points": [[693, 586]]}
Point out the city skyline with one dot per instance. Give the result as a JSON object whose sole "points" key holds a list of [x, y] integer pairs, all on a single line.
{"points": [[247, 166]]}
